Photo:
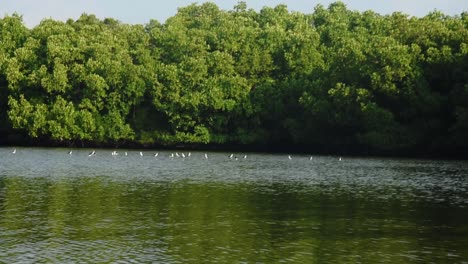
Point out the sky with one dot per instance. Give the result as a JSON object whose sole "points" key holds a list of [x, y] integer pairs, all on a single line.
{"points": [[141, 11]]}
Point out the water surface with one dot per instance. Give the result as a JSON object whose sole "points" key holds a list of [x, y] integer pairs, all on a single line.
{"points": [[56, 207]]}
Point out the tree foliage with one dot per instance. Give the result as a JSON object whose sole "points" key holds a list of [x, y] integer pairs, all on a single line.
{"points": [[333, 78]]}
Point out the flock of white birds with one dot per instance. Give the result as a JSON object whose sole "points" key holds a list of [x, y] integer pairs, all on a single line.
{"points": [[176, 155]]}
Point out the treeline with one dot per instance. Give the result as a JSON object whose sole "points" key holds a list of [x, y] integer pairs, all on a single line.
{"points": [[332, 80]]}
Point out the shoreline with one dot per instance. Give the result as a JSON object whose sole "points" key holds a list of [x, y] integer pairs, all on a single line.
{"points": [[273, 148]]}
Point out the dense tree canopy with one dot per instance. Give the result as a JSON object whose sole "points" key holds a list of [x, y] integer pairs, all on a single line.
{"points": [[335, 79]]}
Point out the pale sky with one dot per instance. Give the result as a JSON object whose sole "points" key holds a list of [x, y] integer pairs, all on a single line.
{"points": [[141, 11]]}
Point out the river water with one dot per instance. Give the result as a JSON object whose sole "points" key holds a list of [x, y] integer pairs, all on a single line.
{"points": [[266, 208]]}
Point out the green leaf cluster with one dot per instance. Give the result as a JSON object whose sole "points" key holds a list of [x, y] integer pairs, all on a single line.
{"points": [[334, 78]]}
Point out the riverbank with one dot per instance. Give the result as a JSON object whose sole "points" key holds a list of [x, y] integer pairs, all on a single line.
{"points": [[272, 147]]}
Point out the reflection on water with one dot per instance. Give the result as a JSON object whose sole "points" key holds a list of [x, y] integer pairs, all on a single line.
{"points": [[60, 208]]}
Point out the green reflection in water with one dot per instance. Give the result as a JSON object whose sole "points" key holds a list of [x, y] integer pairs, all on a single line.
{"points": [[96, 219]]}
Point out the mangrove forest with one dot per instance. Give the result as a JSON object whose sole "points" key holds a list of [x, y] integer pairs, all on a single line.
{"points": [[333, 80]]}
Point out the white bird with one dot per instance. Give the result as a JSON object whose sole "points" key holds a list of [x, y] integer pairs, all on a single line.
{"points": [[339, 159], [189, 154], [126, 153], [156, 154], [177, 154], [231, 156], [92, 153], [183, 155], [206, 156], [310, 158], [245, 156], [172, 155], [14, 151], [289, 157], [70, 152], [141, 153]]}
